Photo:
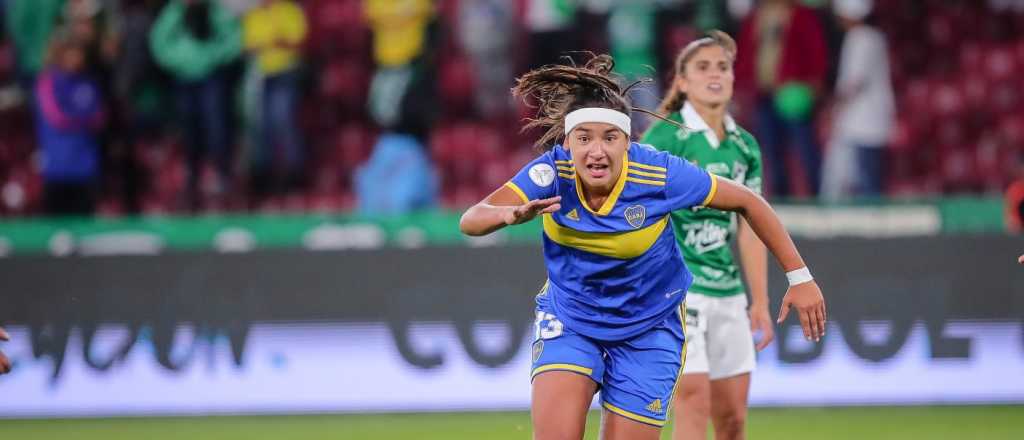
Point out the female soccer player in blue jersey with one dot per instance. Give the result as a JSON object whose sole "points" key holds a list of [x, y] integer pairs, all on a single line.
{"points": [[609, 317]]}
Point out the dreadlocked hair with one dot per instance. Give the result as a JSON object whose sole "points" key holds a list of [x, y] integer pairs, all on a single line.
{"points": [[557, 90], [675, 98]]}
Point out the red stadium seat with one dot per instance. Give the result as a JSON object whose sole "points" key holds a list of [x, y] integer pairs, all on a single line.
{"points": [[1011, 131], [917, 96], [457, 85], [1005, 97], [950, 131], [1000, 62], [903, 136], [947, 99], [6, 60], [976, 92], [337, 26], [994, 162], [345, 81], [959, 169], [353, 144], [22, 192], [972, 57]]}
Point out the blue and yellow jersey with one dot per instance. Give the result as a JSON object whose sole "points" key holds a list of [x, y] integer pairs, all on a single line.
{"points": [[615, 272]]}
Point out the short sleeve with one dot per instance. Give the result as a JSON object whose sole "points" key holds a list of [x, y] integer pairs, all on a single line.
{"points": [[536, 180], [687, 185], [660, 136]]}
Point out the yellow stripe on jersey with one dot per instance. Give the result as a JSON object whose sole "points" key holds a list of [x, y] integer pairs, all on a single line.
{"points": [[648, 167], [621, 245], [561, 168], [563, 162], [567, 176], [633, 416], [646, 174], [613, 197], [712, 191], [646, 182], [519, 192]]}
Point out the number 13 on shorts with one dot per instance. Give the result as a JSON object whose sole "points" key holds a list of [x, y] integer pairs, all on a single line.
{"points": [[547, 326]]}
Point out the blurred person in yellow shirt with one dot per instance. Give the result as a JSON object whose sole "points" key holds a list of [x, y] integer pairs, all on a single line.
{"points": [[399, 29], [402, 32], [273, 35]]}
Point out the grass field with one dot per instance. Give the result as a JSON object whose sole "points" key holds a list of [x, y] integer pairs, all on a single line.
{"points": [[961, 422]]}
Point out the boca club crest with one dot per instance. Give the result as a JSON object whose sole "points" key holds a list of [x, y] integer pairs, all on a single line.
{"points": [[636, 215]]}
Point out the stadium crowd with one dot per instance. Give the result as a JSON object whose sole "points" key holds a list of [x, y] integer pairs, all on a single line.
{"points": [[116, 107]]}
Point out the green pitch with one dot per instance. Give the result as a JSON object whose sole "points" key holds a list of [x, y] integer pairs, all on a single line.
{"points": [[970, 422]]}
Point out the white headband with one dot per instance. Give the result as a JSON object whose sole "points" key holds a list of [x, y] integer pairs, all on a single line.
{"points": [[597, 114]]}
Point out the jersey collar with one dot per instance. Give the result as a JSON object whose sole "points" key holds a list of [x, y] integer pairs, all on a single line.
{"points": [[693, 122]]}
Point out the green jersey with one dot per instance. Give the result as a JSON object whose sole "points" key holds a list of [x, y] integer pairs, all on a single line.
{"points": [[704, 233]]}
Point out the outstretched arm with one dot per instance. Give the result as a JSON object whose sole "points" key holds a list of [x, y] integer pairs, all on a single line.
{"points": [[803, 294], [504, 207]]}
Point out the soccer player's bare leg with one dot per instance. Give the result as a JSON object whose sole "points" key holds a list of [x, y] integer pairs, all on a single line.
{"points": [[559, 405], [616, 427], [729, 406], [692, 407]]}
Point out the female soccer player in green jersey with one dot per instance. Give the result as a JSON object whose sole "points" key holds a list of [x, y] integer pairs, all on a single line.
{"points": [[720, 351], [609, 317]]}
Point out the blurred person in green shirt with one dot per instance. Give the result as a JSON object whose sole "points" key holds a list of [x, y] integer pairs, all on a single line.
{"points": [[30, 23], [194, 40]]}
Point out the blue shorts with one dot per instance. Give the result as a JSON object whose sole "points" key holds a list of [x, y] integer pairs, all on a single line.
{"points": [[636, 376]]}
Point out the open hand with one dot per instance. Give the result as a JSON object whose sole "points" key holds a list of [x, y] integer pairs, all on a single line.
{"points": [[761, 321], [810, 305], [530, 210]]}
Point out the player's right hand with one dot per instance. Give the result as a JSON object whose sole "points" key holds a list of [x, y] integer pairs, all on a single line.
{"points": [[810, 307], [526, 212], [5, 364]]}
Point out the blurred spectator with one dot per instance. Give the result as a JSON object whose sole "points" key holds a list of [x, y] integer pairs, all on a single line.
{"points": [[864, 108], [194, 40], [69, 118], [782, 60], [485, 32], [30, 23], [400, 38], [94, 23], [549, 23], [139, 94], [399, 177], [631, 35], [399, 29], [274, 32]]}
